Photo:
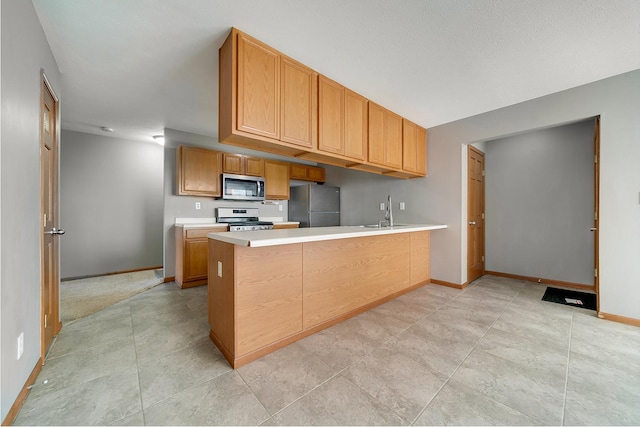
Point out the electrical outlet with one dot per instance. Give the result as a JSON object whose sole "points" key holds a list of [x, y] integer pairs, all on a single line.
{"points": [[219, 268], [382, 206], [197, 205], [20, 345], [401, 206]]}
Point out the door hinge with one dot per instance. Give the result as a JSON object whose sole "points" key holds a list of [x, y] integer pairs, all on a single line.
{"points": [[595, 272], [482, 215], [45, 321], [45, 220], [595, 215], [482, 173], [595, 158], [483, 259]]}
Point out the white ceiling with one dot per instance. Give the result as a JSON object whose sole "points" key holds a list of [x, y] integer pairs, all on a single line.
{"points": [[140, 66]]}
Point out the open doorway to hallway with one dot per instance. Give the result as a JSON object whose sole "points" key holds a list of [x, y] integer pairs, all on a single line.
{"points": [[540, 198]]}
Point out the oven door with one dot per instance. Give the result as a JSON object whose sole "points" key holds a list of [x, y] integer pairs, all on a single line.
{"points": [[241, 187]]}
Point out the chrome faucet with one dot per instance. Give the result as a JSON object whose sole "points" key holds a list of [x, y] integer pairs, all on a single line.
{"points": [[388, 215]]}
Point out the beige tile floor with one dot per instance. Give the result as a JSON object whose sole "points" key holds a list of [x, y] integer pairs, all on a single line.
{"points": [[493, 353]]}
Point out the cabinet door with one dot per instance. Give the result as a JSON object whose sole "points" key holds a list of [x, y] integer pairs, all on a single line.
{"points": [[376, 134], [298, 171], [331, 116], [298, 103], [198, 171], [355, 125], [409, 140], [276, 180], [196, 258], [316, 174], [232, 163], [421, 150], [393, 140], [254, 166], [258, 88]]}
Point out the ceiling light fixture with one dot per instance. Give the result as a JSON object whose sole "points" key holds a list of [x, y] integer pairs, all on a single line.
{"points": [[106, 129], [159, 139]]}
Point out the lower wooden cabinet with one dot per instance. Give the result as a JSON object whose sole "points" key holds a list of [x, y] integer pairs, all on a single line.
{"points": [[282, 226], [268, 297], [192, 254]]}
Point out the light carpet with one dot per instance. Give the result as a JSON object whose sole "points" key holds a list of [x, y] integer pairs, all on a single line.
{"points": [[81, 297]]}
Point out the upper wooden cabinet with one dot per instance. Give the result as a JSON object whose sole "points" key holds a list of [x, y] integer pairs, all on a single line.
{"points": [[258, 91], [356, 125], [276, 180], [331, 116], [265, 98], [242, 165], [414, 149], [307, 173], [342, 122], [272, 103], [298, 103], [385, 137], [198, 171]]}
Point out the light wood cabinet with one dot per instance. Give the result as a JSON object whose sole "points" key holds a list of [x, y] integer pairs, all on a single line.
{"points": [[258, 96], [198, 172], [307, 173], [242, 165], [192, 254], [268, 297], [298, 103], [276, 180], [333, 285], [331, 116], [283, 226], [272, 103], [385, 137], [267, 101], [420, 252], [356, 123], [414, 148], [342, 123]]}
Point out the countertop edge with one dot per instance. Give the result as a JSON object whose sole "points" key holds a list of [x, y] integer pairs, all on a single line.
{"points": [[301, 235]]}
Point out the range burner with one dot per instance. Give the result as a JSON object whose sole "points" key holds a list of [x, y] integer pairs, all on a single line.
{"points": [[242, 219]]}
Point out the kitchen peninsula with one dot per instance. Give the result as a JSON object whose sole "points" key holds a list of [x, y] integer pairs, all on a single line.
{"points": [[268, 289]]}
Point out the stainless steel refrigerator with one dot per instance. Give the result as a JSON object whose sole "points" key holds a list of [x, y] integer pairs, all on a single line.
{"points": [[315, 205]]}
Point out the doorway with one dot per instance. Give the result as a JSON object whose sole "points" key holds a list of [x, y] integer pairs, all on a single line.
{"points": [[475, 214], [50, 245], [542, 205]]}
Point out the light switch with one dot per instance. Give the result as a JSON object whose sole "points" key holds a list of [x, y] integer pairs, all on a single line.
{"points": [[382, 206], [280, 208], [401, 206], [219, 268]]}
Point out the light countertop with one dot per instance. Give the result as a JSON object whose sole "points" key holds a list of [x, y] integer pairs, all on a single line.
{"points": [[313, 234]]}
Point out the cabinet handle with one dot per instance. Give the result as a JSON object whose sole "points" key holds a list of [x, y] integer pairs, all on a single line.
{"points": [[54, 231]]}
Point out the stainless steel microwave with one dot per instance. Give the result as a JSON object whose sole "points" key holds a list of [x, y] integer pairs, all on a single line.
{"points": [[242, 187]]}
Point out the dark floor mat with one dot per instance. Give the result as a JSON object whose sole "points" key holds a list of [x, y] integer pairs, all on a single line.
{"points": [[574, 298]]}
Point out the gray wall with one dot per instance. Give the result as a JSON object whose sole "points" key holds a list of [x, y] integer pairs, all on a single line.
{"points": [[616, 100], [25, 52], [111, 203], [539, 203], [184, 206]]}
